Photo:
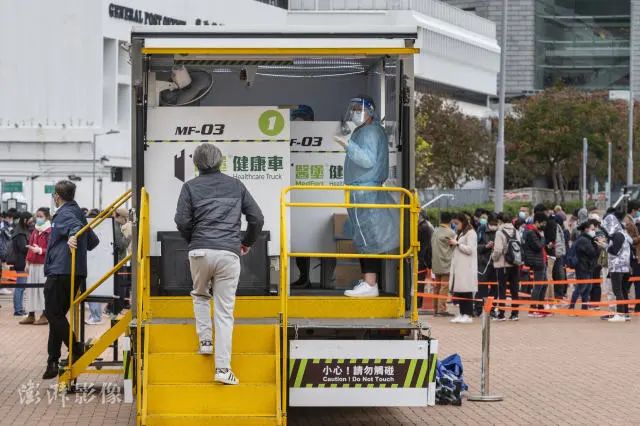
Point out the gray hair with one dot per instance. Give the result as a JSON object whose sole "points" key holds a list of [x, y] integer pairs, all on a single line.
{"points": [[207, 157]]}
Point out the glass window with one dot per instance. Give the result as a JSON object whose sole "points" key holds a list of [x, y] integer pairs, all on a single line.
{"points": [[583, 43]]}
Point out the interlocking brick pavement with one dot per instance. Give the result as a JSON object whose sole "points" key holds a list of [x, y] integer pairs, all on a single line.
{"points": [[553, 371]]}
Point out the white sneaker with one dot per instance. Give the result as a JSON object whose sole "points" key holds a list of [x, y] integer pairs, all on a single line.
{"points": [[5, 291], [226, 376], [363, 290], [465, 319], [206, 348], [617, 318], [456, 319], [92, 321]]}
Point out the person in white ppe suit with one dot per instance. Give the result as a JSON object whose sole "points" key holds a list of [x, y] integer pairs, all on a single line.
{"points": [[374, 231]]}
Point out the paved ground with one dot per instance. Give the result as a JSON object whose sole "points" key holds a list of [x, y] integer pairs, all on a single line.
{"points": [[558, 370]]}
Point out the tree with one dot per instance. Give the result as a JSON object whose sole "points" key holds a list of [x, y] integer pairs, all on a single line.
{"points": [[451, 147], [545, 131]]}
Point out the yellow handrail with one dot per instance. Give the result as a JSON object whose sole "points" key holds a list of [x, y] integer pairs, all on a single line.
{"points": [[411, 252], [73, 319], [141, 304]]}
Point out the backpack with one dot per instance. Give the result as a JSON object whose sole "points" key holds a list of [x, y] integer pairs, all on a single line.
{"points": [[513, 253], [572, 256]]}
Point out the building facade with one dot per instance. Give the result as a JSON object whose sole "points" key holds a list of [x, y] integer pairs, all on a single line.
{"points": [[65, 112], [588, 44]]}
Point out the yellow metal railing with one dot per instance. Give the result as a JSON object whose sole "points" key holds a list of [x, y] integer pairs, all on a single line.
{"points": [[142, 304], [412, 252], [75, 299]]}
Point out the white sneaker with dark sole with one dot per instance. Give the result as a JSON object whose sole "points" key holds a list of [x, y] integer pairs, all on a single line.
{"points": [[363, 289], [226, 376], [206, 348]]}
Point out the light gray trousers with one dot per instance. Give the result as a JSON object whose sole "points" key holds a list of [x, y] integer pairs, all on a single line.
{"points": [[219, 269]]}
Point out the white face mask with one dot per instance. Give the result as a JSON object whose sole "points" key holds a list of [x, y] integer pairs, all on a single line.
{"points": [[592, 234], [357, 117]]}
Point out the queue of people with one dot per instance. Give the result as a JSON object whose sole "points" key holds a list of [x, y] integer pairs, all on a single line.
{"points": [[474, 256]]}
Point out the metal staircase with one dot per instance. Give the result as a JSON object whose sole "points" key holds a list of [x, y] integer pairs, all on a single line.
{"points": [[180, 386]]}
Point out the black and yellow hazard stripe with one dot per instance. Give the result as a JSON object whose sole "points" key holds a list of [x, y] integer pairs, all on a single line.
{"points": [[408, 373]]}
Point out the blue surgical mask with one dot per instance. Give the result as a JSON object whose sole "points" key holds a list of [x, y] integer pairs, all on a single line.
{"points": [[637, 215], [522, 215], [483, 221], [40, 221]]}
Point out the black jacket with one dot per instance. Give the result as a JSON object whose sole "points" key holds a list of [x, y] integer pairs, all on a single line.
{"points": [[67, 221], [484, 252], [425, 231], [209, 211], [587, 253], [18, 250], [532, 247]]}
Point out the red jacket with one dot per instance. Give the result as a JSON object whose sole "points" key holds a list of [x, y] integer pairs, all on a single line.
{"points": [[40, 239]]}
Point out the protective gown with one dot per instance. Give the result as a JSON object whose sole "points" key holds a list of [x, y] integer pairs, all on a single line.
{"points": [[367, 164]]}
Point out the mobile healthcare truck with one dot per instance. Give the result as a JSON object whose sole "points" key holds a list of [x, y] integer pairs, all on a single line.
{"points": [[293, 346]]}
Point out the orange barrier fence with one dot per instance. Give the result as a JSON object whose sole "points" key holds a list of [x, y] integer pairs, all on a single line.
{"points": [[501, 304]]}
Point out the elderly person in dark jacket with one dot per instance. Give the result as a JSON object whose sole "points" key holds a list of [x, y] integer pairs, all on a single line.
{"points": [[208, 218], [67, 221]]}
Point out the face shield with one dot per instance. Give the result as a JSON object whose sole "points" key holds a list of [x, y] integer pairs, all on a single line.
{"points": [[358, 111]]}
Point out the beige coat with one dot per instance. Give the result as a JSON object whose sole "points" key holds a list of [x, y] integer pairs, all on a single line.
{"points": [[441, 251], [464, 266], [500, 246]]}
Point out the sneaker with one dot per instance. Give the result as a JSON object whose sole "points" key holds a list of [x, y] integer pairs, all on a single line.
{"points": [[499, 318], [5, 291], [617, 318], [456, 319], [206, 347], [92, 321], [627, 317], [545, 314], [363, 290], [226, 376], [536, 314], [606, 317], [513, 318], [465, 319], [19, 314]]}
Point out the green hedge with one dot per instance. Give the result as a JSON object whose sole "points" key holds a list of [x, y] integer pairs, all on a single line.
{"points": [[511, 207]]}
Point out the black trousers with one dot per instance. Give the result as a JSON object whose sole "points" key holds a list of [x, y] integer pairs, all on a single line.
{"points": [[57, 292], [620, 286], [303, 264], [509, 277], [466, 306], [559, 274], [489, 275], [371, 266]]}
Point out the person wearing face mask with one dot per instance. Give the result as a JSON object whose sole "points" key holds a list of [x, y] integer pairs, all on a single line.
{"points": [[38, 242], [66, 222], [486, 271], [587, 251], [6, 226], [524, 215], [17, 258], [534, 254], [619, 261], [630, 220], [366, 163], [463, 279], [441, 261]]}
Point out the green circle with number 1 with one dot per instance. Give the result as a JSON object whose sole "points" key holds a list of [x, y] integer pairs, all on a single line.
{"points": [[271, 122]]}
